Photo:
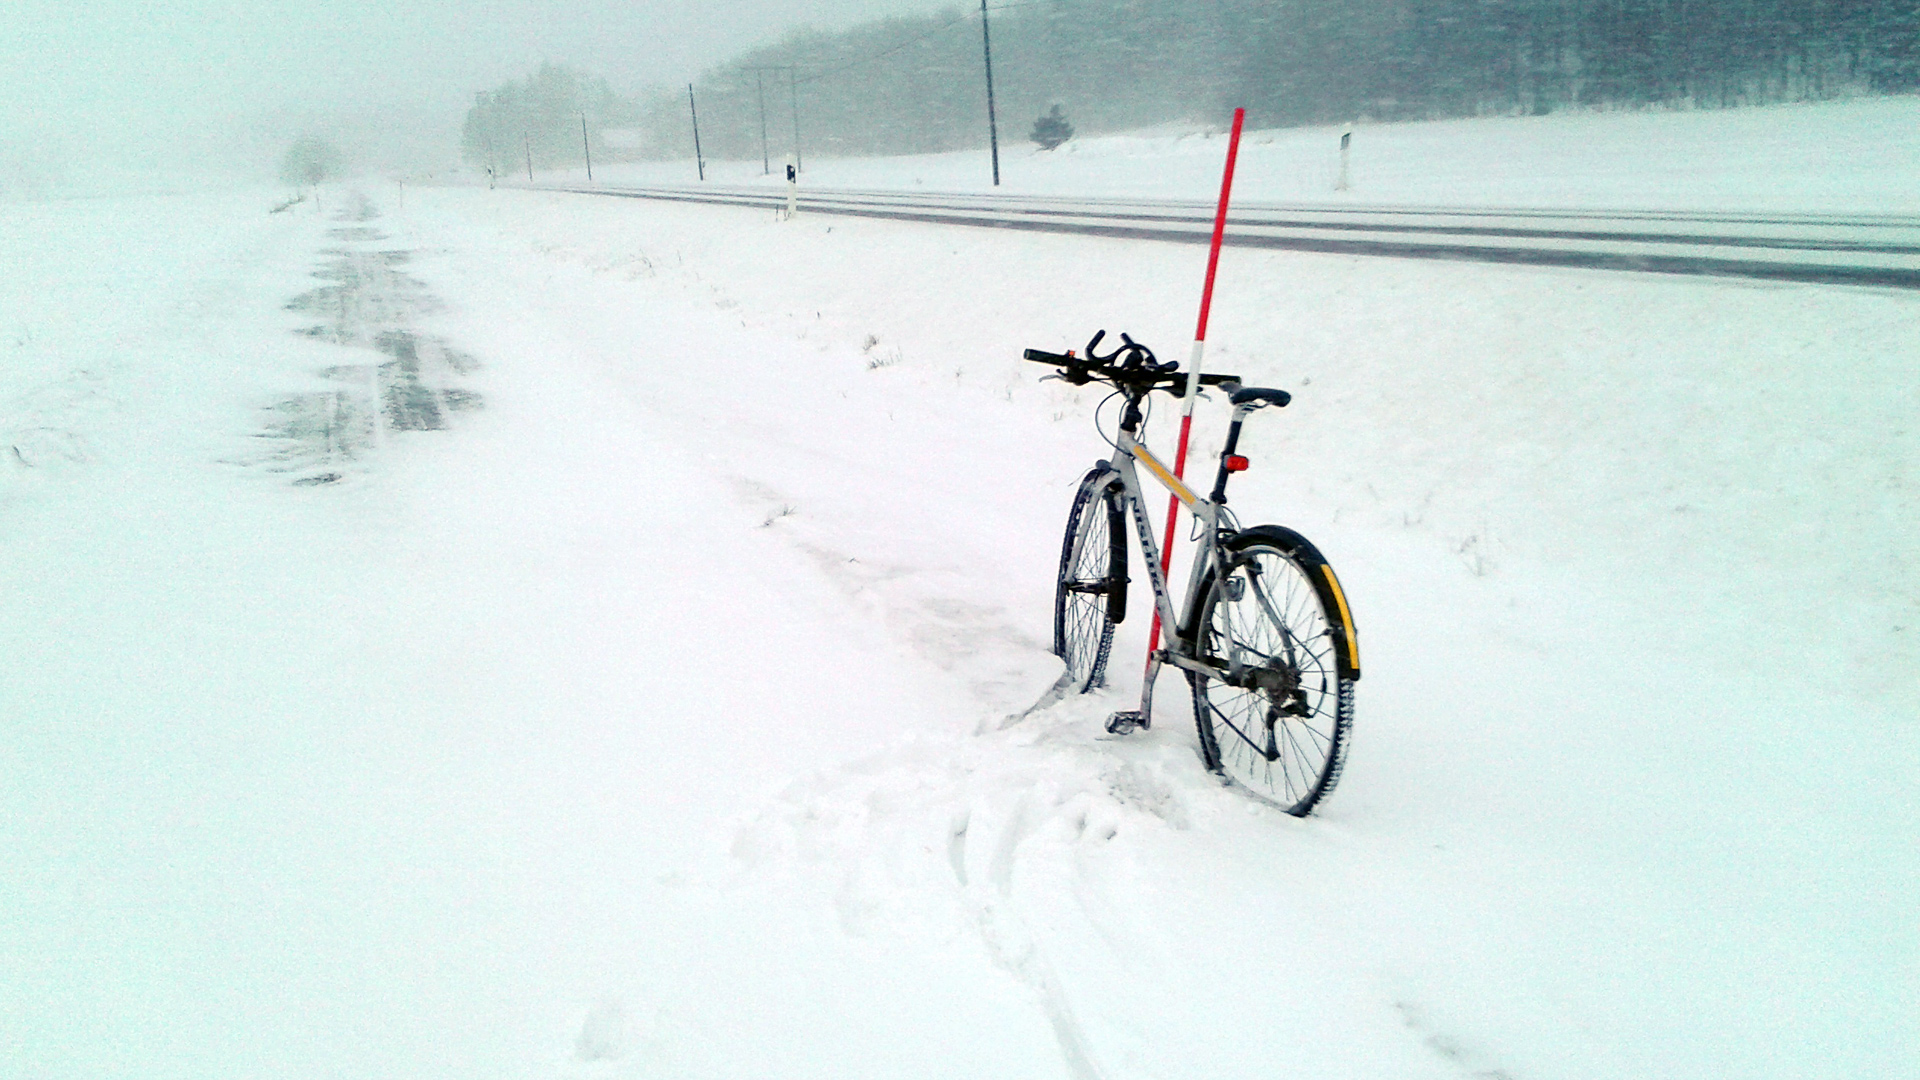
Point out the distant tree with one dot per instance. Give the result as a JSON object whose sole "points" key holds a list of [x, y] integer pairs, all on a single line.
{"points": [[309, 160], [1894, 30], [1052, 129], [541, 115], [912, 84]]}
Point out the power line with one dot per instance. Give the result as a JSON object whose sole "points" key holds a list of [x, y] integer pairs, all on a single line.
{"points": [[817, 76], [884, 53], [794, 81]]}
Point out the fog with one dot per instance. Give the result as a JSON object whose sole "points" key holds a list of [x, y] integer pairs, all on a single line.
{"points": [[127, 94], [138, 94]]}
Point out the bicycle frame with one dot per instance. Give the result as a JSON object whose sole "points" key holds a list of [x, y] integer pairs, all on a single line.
{"points": [[1129, 455], [1127, 451]]}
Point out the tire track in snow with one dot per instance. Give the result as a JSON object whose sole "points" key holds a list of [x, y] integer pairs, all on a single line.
{"points": [[1001, 666], [369, 304], [1011, 837], [996, 663]]}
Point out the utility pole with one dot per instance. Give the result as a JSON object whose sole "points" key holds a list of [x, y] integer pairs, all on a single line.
{"points": [[993, 126], [793, 93], [698, 161], [529, 139], [586, 147], [760, 86]]}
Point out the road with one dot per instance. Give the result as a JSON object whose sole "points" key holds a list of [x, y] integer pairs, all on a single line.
{"points": [[1823, 249]]}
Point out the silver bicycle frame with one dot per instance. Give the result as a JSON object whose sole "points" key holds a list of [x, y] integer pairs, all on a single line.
{"points": [[1128, 452]]}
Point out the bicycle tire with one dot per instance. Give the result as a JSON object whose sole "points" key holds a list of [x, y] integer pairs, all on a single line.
{"points": [[1280, 726], [1090, 594]]}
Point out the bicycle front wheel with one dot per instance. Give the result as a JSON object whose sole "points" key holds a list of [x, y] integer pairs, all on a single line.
{"points": [[1275, 626], [1092, 589]]}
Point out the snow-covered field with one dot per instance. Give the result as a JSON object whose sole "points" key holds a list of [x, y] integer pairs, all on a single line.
{"points": [[635, 701]]}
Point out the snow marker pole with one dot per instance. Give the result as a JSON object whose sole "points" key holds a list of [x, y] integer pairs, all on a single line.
{"points": [[1193, 366], [695, 110]]}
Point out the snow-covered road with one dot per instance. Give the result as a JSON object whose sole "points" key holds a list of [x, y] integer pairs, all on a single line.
{"points": [[649, 717], [1869, 250]]}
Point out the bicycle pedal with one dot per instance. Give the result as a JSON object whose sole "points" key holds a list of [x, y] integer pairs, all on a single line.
{"points": [[1127, 722]]}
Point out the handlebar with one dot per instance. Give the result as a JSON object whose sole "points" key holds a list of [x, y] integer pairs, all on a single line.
{"points": [[1137, 372]]}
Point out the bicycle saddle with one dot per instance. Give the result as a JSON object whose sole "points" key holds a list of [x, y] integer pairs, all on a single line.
{"points": [[1261, 395]]}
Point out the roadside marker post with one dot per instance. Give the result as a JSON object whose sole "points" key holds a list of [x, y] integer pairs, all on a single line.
{"points": [[1193, 366], [699, 161], [586, 148]]}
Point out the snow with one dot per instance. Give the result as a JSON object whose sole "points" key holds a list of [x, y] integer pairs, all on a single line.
{"points": [[657, 717]]}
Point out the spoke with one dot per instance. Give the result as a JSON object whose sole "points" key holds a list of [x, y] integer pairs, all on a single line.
{"points": [[1321, 740], [1236, 729], [1299, 752]]}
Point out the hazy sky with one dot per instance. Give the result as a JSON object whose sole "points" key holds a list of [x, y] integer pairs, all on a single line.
{"points": [[144, 82]]}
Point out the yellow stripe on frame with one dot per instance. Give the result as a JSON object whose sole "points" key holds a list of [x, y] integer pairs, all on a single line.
{"points": [[1346, 619], [1160, 473]]}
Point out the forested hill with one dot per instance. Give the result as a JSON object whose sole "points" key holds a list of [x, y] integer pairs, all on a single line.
{"points": [[908, 85]]}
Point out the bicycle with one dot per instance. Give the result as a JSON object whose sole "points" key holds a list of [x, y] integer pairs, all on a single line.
{"points": [[1264, 635]]}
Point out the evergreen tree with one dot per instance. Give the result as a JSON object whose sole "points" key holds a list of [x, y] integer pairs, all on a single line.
{"points": [[1052, 129]]}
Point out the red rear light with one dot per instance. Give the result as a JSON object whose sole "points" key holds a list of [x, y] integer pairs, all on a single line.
{"points": [[1236, 463]]}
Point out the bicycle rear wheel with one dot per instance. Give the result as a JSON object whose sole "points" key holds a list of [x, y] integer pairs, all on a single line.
{"points": [[1092, 587], [1276, 720]]}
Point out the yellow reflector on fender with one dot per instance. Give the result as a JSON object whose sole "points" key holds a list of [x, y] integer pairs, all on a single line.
{"points": [[1346, 620]]}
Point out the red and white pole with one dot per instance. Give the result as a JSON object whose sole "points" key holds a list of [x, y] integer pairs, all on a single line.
{"points": [[1193, 365]]}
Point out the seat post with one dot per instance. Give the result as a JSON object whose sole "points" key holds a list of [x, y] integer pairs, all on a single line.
{"points": [[1219, 496]]}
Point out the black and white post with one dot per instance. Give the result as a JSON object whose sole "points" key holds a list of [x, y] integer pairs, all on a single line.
{"points": [[698, 161], [1346, 144], [993, 126], [586, 147]]}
